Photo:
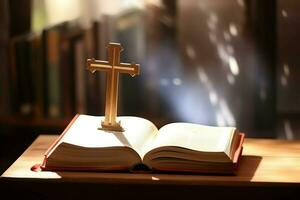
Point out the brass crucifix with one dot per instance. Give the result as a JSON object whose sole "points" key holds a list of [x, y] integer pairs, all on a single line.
{"points": [[112, 67]]}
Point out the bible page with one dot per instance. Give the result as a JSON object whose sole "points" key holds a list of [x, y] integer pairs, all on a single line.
{"points": [[84, 132], [194, 136]]}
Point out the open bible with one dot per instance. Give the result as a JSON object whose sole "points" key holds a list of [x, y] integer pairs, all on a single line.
{"points": [[175, 147]]}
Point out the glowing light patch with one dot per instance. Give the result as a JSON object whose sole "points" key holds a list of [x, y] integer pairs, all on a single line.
{"points": [[177, 81], [286, 69], [220, 120], [222, 53], [234, 67], [241, 3], [230, 79], [190, 51], [212, 21], [284, 13], [233, 29], [213, 97], [289, 134], [202, 75], [227, 36], [59, 11], [155, 178], [213, 17], [283, 81], [226, 113]]}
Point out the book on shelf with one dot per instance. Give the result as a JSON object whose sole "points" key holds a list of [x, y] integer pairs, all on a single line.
{"points": [[4, 70], [21, 74], [91, 42], [61, 43], [142, 147], [46, 77]]}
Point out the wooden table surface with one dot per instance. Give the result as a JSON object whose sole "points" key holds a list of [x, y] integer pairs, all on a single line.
{"points": [[264, 162]]}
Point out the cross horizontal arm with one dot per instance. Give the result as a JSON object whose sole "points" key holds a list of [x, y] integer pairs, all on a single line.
{"points": [[132, 69], [94, 65], [100, 65]]}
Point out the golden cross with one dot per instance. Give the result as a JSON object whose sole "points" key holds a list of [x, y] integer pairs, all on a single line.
{"points": [[112, 67]]}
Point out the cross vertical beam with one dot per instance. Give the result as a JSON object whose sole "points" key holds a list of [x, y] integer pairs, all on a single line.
{"points": [[112, 67]]}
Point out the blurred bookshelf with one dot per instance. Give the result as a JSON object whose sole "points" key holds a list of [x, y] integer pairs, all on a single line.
{"points": [[45, 82]]}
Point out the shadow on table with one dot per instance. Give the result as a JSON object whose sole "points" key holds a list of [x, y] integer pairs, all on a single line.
{"points": [[248, 166]]}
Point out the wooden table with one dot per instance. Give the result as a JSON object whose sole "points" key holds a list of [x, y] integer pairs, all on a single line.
{"points": [[269, 169]]}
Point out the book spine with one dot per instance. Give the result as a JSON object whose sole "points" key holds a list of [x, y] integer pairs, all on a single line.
{"points": [[37, 75], [13, 75], [91, 79], [26, 76], [80, 78], [66, 74], [77, 60], [22, 76], [53, 84], [4, 72]]}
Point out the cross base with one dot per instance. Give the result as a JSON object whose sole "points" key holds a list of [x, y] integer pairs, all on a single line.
{"points": [[111, 127]]}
